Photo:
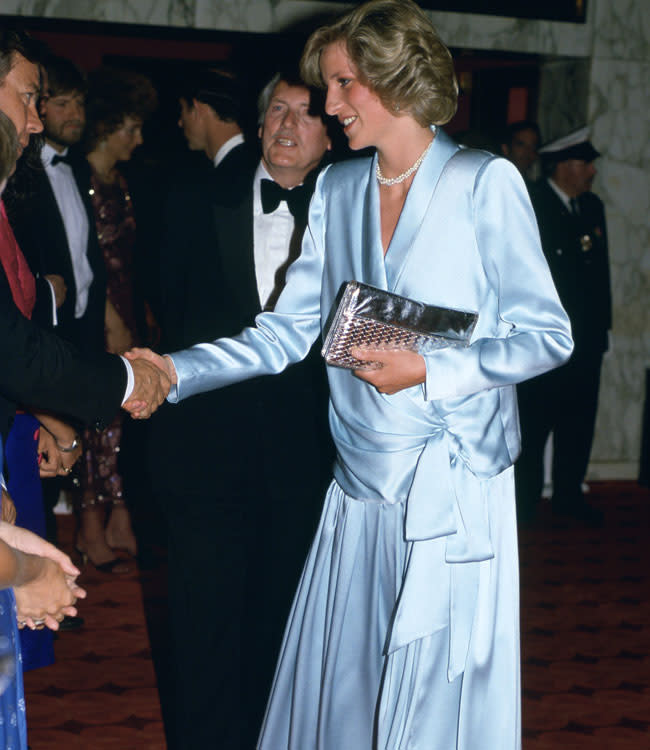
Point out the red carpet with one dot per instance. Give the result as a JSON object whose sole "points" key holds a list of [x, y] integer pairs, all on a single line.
{"points": [[585, 644]]}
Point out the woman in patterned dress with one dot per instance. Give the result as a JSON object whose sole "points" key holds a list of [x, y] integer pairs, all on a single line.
{"points": [[117, 104]]}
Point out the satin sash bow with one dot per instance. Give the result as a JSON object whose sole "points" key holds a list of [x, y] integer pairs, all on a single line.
{"points": [[447, 525], [447, 522]]}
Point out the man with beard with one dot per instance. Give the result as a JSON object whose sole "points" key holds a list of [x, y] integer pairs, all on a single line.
{"points": [[54, 225], [55, 229]]}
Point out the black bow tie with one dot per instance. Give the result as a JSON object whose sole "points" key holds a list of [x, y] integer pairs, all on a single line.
{"points": [[297, 199], [61, 159]]}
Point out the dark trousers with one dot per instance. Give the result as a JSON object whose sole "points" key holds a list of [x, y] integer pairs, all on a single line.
{"points": [[564, 402], [207, 580], [285, 525], [233, 571]]}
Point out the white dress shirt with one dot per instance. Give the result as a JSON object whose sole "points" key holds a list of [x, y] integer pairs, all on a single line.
{"points": [[271, 238], [75, 222], [561, 194], [227, 147]]}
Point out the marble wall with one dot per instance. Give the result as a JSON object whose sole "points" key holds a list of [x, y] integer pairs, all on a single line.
{"points": [[619, 112], [601, 69], [563, 102]]}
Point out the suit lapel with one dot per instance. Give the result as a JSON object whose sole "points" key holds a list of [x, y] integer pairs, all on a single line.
{"points": [[55, 253], [233, 221]]}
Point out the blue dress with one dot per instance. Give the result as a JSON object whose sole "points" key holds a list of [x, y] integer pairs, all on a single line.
{"points": [[404, 632], [25, 488], [13, 729]]}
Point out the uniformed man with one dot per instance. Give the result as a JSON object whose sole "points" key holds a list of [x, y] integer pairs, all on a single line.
{"points": [[574, 238]]}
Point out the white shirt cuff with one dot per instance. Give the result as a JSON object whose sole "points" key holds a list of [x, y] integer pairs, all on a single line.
{"points": [[55, 319], [130, 380]]}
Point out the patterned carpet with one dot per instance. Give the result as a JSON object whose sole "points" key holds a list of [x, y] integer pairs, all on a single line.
{"points": [[586, 627], [585, 643]]}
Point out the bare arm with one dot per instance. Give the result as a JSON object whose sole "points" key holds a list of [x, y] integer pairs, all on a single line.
{"points": [[118, 336], [43, 577]]}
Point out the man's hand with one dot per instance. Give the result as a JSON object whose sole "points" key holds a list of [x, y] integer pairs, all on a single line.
{"points": [[152, 384], [398, 369], [163, 362], [59, 287]]}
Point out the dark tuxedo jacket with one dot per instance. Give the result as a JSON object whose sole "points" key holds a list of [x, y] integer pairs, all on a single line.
{"points": [[270, 430], [577, 254], [39, 369], [40, 232]]}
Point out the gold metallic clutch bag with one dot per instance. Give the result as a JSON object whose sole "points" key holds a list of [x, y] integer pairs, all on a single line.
{"points": [[375, 319]]}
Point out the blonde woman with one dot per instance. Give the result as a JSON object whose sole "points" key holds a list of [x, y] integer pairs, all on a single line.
{"points": [[404, 632]]}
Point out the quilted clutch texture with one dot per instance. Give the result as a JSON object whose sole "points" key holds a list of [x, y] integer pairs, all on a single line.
{"points": [[375, 319]]}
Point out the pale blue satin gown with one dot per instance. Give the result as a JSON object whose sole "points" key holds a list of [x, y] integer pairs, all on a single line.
{"points": [[404, 632]]}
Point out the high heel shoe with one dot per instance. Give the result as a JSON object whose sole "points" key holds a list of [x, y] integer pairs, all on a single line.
{"points": [[110, 566]]}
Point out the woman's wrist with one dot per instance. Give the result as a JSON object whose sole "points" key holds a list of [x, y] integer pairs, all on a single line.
{"points": [[67, 444], [68, 448]]}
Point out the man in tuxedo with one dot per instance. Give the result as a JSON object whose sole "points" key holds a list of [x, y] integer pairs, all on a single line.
{"points": [[68, 265], [57, 206], [574, 239], [211, 113], [37, 367], [245, 467]]}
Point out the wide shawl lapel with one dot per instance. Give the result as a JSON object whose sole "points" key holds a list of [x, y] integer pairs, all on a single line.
{"points": [[233, 216]]}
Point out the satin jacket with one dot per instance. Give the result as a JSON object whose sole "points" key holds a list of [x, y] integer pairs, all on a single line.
{"points": [[467, 238]]}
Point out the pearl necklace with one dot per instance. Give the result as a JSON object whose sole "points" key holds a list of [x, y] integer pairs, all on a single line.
{"points": [[405, 175]]}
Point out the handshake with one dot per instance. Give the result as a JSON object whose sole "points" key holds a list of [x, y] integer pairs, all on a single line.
{"points": [[154, 376]]}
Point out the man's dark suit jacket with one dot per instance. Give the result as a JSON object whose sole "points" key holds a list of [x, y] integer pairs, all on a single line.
{"points": [[39, 369], [242, 470], [577, 254], [214, 441], [40, 233]]}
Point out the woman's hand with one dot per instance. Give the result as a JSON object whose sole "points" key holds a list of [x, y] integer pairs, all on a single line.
{"points": [[399, 368], [55, 442], [161, 361], [8, 508], [47, 597], [49, 463], [43, 577]]}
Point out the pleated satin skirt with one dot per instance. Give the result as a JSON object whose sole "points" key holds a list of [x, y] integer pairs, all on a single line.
{"points": [[335, 687]]}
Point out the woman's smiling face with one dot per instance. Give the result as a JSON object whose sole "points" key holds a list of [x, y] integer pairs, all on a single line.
{"points": [[364, 118]]}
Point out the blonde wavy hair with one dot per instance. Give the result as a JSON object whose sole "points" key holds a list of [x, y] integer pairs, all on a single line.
{"points": [[397, 53]]}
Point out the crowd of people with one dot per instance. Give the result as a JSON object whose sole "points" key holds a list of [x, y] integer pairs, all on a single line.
{"points": [[401, 627]]}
